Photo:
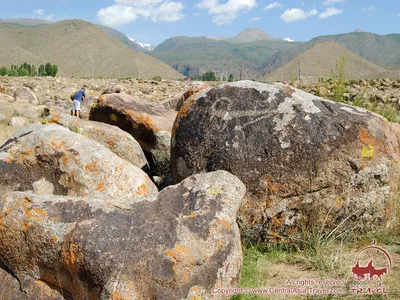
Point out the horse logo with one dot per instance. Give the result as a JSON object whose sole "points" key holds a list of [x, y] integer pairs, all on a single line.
{"points": [[371, 272]]}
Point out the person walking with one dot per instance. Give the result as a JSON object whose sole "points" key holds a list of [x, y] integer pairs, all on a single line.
{"points": [[78, 98]]}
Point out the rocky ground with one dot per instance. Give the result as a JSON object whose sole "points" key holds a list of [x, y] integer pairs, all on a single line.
{"points": [[379, 95], [27, 97], [310, 182]]}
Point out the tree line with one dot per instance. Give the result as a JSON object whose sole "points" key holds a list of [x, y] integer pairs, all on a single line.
{"points": [[210, 76], [26, 69]]}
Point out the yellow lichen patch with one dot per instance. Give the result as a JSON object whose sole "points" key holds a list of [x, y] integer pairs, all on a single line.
{"points": [[367, 151], [223, 224], [113, 117], [54, 238], [215, 190], [142, 190], [100, 187]]}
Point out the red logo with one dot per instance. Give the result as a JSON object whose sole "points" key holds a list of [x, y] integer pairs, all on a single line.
{"points": [[371, 271]]}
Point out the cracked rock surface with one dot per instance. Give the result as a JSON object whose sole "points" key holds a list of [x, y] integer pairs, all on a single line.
{"points": [[305, 161], [178, 244]]}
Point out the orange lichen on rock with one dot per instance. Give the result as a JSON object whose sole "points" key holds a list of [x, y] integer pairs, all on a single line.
{"points": [[115, 296], [70, 256], [100, 187], [183, 112], [35, 215], [223, 224], [92, 167], [183, 261], [269, 184], [111, 144], [277, 222], [146, 121], [55, 118], [142, 190]]}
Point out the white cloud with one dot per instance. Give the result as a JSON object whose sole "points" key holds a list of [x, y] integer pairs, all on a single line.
{"points": [[255, 19], [273, 5], [330, 2], [329, 12], [39, 12], [227, 12], [297, 14], [368, 9], [126, 11]]}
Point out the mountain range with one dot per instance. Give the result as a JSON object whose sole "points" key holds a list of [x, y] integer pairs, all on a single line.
{"points": [[79, 49], [322, 61], [251, 54]]}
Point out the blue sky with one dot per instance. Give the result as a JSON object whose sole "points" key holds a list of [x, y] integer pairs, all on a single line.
{"points": [[153, 21]]}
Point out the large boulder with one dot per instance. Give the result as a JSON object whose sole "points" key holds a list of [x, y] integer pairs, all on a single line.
{"points": [[115, 139], [25, 95], [72, 163], [149, 123], [180, 244], [306, 162]]}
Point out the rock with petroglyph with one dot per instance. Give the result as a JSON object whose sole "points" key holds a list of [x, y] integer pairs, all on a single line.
{"points": [[180, 244], [112, 137], [72, 163], [305, 161], [149, 123]]}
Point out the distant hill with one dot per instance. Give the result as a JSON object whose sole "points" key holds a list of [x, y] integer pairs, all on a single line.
{"points": [[394, 37], [24, 21], [250, 35], [382, 50], [196, 55], [80, 49], [321, 59]]}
